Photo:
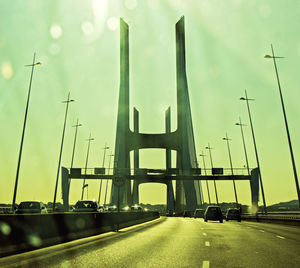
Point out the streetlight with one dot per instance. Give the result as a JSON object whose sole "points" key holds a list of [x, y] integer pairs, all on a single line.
{"points": [[76, 128], [23, 132], [61, 148], [87, 190], [86, 163], [242, 125], [285, 121], [104, 148], [110, 156], [205, 175], [211, 162], [256, 154], [227, 140]]}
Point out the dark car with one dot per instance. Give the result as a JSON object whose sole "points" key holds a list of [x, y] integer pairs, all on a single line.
{"points": [[31, 207], [233, 214], [213, 213], [86, 206], [187, 213], [170, 213], [111, 209], [136, 208], [199, 213]]}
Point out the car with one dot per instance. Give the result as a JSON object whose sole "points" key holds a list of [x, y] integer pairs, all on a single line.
{"points": [[213, 213], [31, 207], [125, 208], [199, 213], [111, 208], [136, 208], [187, 213], [233, 214], [170, 213], [86, 206]]}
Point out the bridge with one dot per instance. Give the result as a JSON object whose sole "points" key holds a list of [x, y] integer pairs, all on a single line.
{"points": [[188, 194], [143, 239]]}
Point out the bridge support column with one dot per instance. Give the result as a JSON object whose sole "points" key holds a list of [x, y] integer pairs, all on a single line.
{"points": [[136, 160], [254, 185], [65, 187], [170, 191]]}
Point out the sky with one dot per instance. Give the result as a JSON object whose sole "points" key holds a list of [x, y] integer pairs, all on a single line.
{"points": [[78, 44]]}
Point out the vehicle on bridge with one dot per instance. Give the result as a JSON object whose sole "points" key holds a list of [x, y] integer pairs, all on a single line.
{"points": [[111, 209], [136, 208], [170, 213], [199, 213], [86, 206], [31, 207], [233, 214], [213, 213]]}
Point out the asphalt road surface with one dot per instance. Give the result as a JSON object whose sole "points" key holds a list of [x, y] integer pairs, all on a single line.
{"points": [[175, 242]]}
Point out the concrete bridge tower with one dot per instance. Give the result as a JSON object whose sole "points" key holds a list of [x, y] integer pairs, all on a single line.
{"points": [[181, 140]]}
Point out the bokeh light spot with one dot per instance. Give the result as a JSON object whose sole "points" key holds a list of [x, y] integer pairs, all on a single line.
{"points": [[113, 23], [55, 31], [80, 223], [7, 70], [130, 4], [54, 48], [5, 228], [34, 240], [87, 27]]}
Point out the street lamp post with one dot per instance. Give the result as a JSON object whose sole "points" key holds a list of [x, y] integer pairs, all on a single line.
{"points": [[211, 162], [256, 154], [105, 148], [241, 125], [87, 190], [230, 160], [286, 123], [205, 175], [61, 148], [73, 152], [86, 163], [23, 132], [110, 156]]}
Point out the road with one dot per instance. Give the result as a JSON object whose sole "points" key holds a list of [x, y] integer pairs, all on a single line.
{"points": [[175, 242]]}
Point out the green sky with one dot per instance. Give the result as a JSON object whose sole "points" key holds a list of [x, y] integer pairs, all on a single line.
{"points": [[78, 45]]}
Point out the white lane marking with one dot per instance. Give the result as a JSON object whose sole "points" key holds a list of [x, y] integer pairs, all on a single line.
{"points": [[207, 244], [202, 228], [281, 237], [204, 234], [262, 231], [205, 264]]}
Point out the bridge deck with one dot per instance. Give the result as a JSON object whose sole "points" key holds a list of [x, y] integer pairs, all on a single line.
{"points": [[157, 177]]}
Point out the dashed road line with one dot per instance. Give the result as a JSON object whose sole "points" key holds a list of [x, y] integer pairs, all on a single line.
{"points": [[281, 237], [207, 244], [205, 264], [262, 231], [204, 234]]}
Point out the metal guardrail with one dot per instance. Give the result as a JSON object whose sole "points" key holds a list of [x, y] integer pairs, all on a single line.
{"points": [[290, 219], [5, 210]]}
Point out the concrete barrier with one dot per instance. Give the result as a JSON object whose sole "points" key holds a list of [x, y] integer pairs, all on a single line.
{"points": [[19, 233]]}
